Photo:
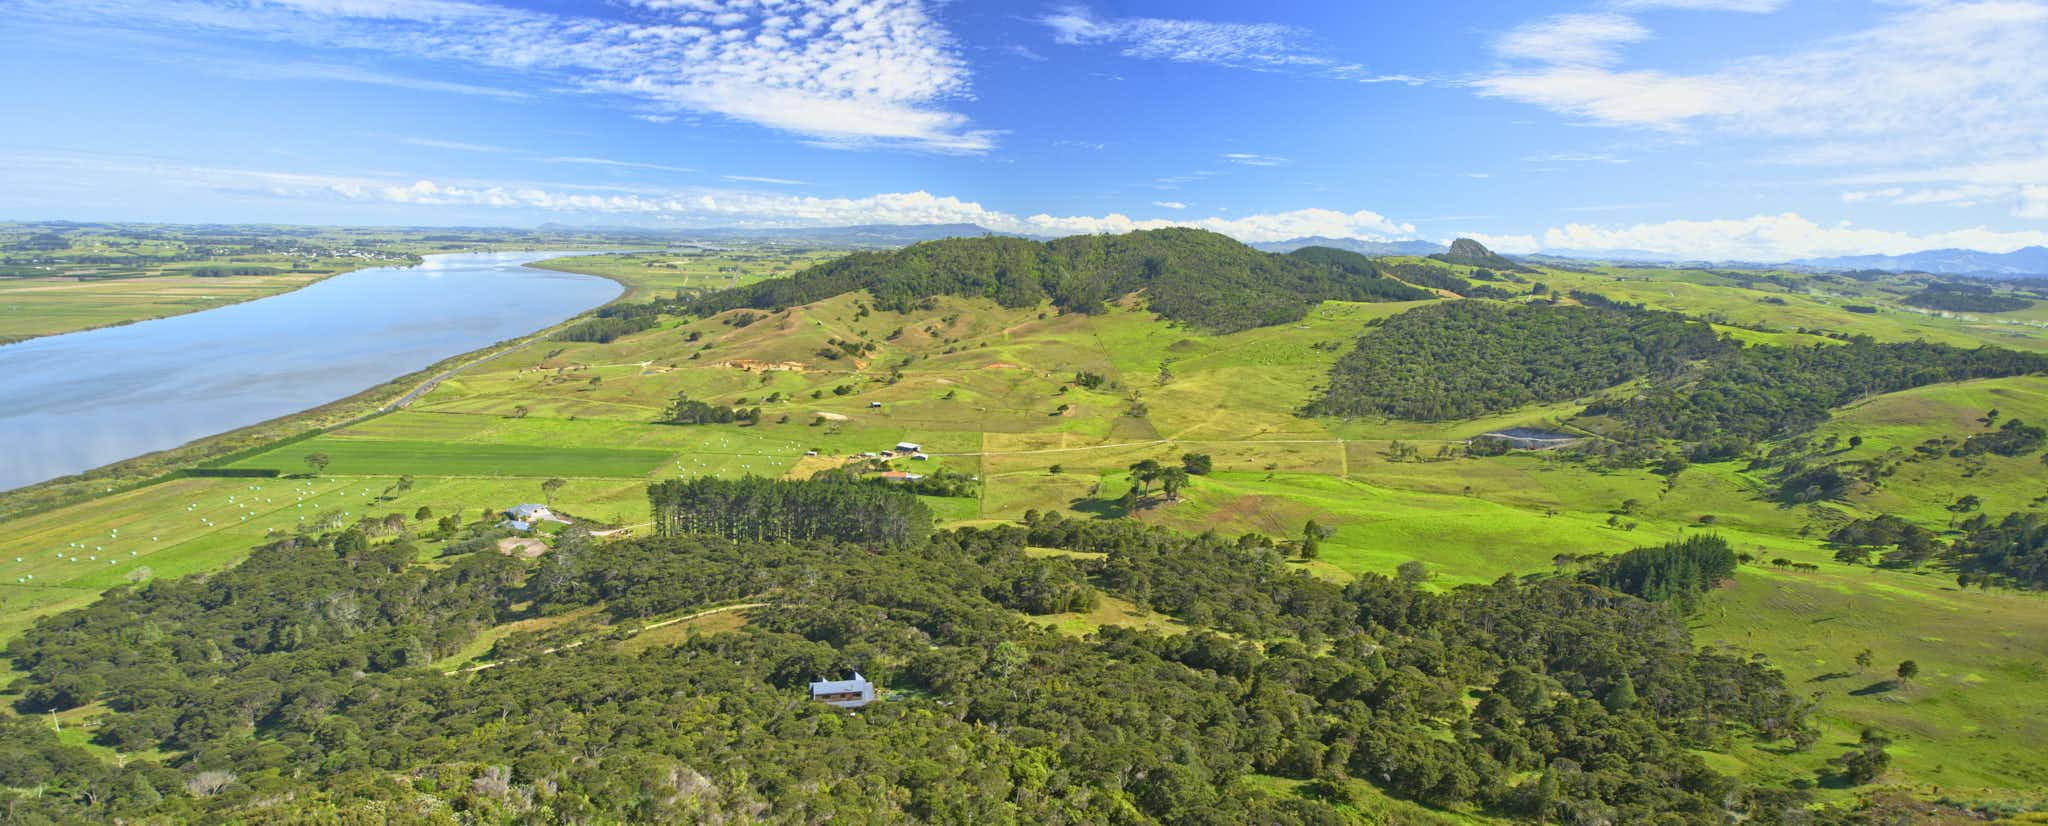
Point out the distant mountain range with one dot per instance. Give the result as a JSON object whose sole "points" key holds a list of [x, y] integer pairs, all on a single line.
{"points": [[1362, 247], [2019, 262]]}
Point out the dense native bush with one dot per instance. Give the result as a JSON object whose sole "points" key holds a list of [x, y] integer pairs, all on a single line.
{"points": [[1191, 276], [1966, 298], [1675, 572], [295, 687], [2012, 551], [1464, 359]]}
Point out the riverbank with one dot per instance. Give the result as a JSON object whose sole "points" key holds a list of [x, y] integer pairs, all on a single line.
{"points": [[156, 466], [42, 307]]}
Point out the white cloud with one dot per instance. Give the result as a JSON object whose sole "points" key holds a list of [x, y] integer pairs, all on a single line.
{"points": [[1750, 6], [1572, 39], [1575, 157], [1771, 238], [1261, 46], [2021, 183], [699, 206], [755, 179], [1185, 41], [878, 72], [1931, 80], [1169, 205], [459, 146], [1253, 159]]}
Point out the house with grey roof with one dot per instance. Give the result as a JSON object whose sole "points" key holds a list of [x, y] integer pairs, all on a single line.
{"points": [[852, 693]]}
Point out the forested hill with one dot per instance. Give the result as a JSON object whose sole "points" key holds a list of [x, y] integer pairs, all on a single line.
{"points": [[1191, 276]]}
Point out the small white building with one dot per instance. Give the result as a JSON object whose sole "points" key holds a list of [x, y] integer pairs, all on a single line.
{"points": [[529, 513], [852, 693], [909, 447]]}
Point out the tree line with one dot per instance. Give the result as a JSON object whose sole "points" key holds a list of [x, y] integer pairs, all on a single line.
{"points": [[758, 509]]}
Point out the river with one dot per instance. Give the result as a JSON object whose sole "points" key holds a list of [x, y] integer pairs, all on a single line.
{"points": [[73, 402]]}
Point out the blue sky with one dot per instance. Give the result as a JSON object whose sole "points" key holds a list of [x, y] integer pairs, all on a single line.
{"points": [[1715, 128]]}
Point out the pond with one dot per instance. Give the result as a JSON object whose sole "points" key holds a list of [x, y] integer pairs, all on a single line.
{"points": [[73, 402]]}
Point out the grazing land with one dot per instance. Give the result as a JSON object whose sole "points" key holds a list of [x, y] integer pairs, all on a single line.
{"points": [[1041, 411]]}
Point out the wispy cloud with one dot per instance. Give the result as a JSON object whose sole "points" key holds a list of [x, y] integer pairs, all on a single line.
{"points": [[1572, 39], [1253, 159], [1938, 83], [1575, 157], [754, 179], [1169, 205], [583, 160], [459, 146], [1768, 238], [702, 206], [355, 74], [1257, 46], [872, 73]]}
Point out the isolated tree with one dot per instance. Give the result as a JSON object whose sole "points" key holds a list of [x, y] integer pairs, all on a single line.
{"points": [[423, 514], [519, 411], [405, 483], [1311, 539], [317, 461], [1171, 481], [548, 488], [1412, 572], [1144, 473], [1863, 659], [1907, 670], [1197, 464], [1855, 442]]}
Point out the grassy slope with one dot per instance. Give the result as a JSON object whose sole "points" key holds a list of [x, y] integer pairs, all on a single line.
{"points": [[983, 388]]}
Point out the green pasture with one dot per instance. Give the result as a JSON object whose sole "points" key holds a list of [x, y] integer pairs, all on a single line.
{"points": [[991, 391], [386, 457]]}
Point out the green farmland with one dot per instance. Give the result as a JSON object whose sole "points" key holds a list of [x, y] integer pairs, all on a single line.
{"points": [[1049, 411]]}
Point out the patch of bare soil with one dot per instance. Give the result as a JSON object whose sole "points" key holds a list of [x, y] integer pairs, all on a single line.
{"points": [[528, 548]]}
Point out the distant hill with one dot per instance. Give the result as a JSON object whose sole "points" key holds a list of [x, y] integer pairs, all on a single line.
{"points": [[2020, 262], [1474, 254], [1644, 256], [1363, 247], [1188, 275]]}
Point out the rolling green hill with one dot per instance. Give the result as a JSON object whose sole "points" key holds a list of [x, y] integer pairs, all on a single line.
{"points": [[1449, 635], [1200, 278]]}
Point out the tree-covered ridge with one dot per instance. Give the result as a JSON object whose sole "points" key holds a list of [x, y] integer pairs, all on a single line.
{"points": [[1589, 702], [1191, 276], [1755, 393], [1966, 298], [1464, 359], [1467, 358]]}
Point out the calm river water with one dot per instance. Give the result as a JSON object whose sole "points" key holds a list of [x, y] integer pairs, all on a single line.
{"points": [[74, 402]]}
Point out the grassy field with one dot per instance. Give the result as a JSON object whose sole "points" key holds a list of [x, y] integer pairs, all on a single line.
{"points": [[996, 393], [663, 273], [41, 306]]}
